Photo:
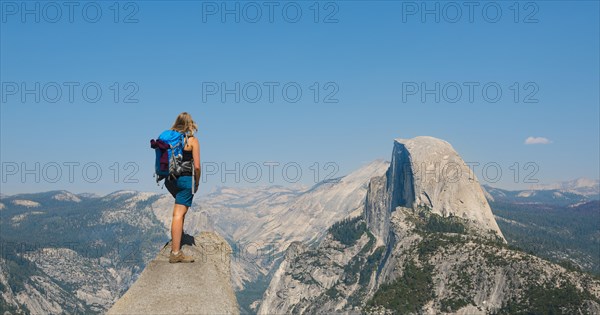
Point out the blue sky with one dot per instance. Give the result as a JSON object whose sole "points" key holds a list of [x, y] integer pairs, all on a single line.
{"points": [[367, 59]]}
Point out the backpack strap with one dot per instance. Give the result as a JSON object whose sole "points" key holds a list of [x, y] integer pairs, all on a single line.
{"points": [[184, 140], [187, 136]]}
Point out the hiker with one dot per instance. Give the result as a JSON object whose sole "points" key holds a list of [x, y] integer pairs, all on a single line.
{"points": [[181, 186]]}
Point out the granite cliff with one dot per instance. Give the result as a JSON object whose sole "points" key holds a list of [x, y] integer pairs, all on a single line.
{"points": [[424, 244]]}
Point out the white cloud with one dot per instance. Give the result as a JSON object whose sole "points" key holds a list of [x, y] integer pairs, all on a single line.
{"points": [[537, 140]]}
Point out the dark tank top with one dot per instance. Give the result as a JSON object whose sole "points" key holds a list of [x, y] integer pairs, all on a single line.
{"points": [[187, 156]]}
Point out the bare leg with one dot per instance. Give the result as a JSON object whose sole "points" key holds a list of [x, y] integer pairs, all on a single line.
{"points": [[179, 212]]}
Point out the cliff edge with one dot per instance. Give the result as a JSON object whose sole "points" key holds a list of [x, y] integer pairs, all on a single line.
{"points": [[201, 287]]}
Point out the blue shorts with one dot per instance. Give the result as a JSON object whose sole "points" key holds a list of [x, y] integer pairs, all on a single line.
{"points": [[181, 189]]}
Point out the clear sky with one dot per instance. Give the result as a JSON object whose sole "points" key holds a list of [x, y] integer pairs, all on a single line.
{"points": [[371, 62]]}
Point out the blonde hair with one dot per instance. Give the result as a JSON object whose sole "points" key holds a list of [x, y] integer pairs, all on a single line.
{"points": [[184, 123]]}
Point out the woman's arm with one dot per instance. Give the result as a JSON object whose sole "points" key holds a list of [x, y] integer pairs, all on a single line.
{"points": [[196, 156]]}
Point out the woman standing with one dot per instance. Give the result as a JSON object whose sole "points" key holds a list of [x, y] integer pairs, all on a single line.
{"points": [[181, 187]]}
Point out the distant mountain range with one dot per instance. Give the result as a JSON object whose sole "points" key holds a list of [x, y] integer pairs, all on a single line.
{"points": [[583, 186], [533, 196]]}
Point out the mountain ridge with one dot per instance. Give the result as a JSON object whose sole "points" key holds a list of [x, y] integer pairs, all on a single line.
{"points": [[402, 256]]}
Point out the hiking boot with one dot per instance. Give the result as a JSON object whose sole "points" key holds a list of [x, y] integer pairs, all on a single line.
{"points": [[180, 257]]}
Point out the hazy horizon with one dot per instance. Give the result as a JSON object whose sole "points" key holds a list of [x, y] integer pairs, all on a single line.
{"points": [[214, 188]]}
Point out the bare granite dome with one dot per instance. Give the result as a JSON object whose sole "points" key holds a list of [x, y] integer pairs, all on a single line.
{"points": [[428, 172]]}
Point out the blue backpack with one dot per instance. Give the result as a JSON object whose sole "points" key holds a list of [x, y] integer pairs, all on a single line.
{"points": [[169, 155]]}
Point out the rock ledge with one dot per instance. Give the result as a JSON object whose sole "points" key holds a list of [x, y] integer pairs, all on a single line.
{"points": [[201, 287]]}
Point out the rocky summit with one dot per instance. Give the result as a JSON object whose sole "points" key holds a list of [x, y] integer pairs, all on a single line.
{"points": [[201, 287], [428, 172]]}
